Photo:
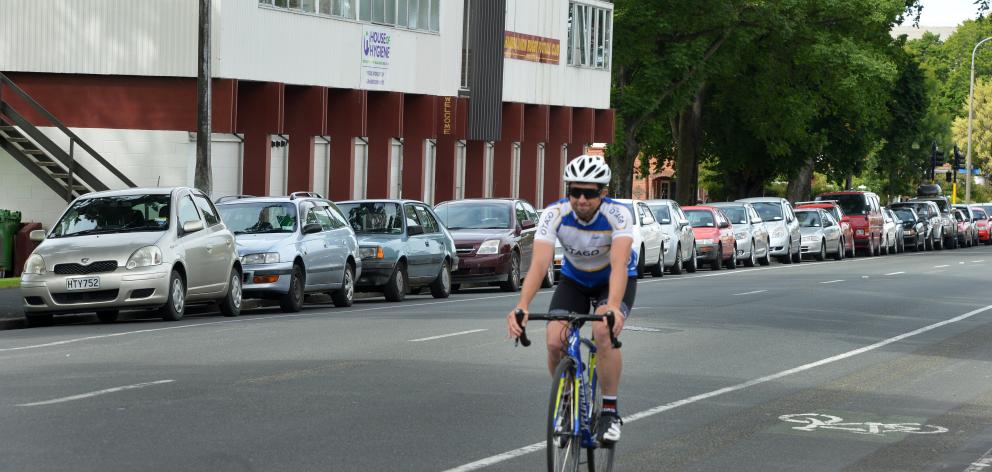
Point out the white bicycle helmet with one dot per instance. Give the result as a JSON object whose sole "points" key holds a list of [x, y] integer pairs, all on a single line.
{"points": [[588, 169]]}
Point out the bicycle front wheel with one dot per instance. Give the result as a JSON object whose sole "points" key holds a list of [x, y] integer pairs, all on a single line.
{"points": [[600, 459], [563, 415]]}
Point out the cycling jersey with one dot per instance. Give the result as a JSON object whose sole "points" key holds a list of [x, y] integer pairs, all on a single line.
{"points": [[586, 244]]}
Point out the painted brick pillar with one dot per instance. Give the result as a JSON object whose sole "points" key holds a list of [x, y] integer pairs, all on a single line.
{"points": [[260, 114], [475, 157], [512, 132], [347, 112], [453, 116], [385, 112], [535, 132], [583, 131], [420, 122], [559, 134], [306, 117]]}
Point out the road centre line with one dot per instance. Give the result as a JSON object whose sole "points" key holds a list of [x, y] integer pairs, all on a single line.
{"points": [[832, 281], [447, 335], [410, 305], [895, 273], [96, 393], [750, 293], [980, 260], [479, 464], [940, 266]]}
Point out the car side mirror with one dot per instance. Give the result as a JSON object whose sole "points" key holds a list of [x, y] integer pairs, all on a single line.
{"points": [[37, 235], [724, 225], [414, 230], [527, 224], [312, 228], [192, 226], [845, 219], [757, 221]]}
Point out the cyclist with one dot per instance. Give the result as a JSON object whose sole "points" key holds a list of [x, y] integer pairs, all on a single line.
{"points": [[596, 236]]}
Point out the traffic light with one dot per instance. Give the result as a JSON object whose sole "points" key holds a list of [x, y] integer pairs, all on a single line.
{"points": [[958, 159], [949, 176]]}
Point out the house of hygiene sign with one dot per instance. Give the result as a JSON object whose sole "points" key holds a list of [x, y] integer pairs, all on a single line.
{"points": [[376, 50]]}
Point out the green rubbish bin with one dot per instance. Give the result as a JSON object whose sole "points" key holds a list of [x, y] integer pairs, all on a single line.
{"points": [[10, 221]]}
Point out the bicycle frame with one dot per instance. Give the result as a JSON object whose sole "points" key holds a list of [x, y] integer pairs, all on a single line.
{"points": [[583, 390]]}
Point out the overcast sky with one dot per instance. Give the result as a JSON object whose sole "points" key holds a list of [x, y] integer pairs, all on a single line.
{"points": [[947, 12]]}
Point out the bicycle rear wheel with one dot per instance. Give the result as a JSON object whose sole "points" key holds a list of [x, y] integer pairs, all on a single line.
{"points": [[599, 459], [563, 445]]}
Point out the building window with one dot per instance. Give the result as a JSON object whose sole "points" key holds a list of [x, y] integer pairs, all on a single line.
{"points": [[423, 15], [590, 33], [466, 44]]}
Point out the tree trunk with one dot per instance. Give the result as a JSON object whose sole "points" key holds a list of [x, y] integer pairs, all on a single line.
{"points": [[689, 135], [622, 164], [801, 184]]}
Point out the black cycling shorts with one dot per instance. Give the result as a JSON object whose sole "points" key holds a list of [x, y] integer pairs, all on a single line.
{"points": [[572, 297]]}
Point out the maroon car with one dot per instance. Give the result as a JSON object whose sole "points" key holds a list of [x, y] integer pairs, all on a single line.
{"points": [[494, 238]]}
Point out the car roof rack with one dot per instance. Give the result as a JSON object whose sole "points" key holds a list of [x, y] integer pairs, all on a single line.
{"points": [[295, 195], [815, 202], [232, 197]]}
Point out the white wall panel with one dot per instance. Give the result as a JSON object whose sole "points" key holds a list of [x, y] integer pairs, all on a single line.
{"points": [[99, 36]]}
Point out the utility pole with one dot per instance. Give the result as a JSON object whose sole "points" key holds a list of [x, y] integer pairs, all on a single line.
{"points": [[201, 178], [971, 113]]}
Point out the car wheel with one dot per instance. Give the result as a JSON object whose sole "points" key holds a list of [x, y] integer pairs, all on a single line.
{"points": [[798, 257], [549, 278], [38, 319], [677, 266], [767, 260], [175, 304], [732, 262], [839, 255], [658, 270], [512, 283], [397, 286], [640, 263], [692, 264], [230, 305], [822, 255], [292, 301], [787, 259], [751, 261], [717, 263], [441, 286], [107, 316], [345, 296], [928, 243]]}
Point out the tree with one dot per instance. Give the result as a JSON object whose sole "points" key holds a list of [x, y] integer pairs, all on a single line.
{"points": [[981, 136]]}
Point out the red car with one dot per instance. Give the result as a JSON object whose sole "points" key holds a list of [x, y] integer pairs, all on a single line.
{"points": [[864, 212], [832, 207], [715, 242], [982, 224]]}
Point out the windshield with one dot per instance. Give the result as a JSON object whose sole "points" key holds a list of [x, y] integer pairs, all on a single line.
{"points": [[259, 217], [769, 211], [661, 213], [700, 218], [736, 214], [852, 204], [809, 219], [120, 214], [474, 215], [904, 214], [374, 217], [979, 214]]}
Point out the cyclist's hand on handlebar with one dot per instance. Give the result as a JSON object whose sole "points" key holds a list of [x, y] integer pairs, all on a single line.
{"points": [[512, 328], [618, 318]]}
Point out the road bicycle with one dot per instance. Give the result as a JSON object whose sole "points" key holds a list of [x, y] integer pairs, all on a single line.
{"points": [[576, 398]]}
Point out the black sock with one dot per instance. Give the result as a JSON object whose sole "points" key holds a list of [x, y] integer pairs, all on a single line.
{"points": [[610, 404]]}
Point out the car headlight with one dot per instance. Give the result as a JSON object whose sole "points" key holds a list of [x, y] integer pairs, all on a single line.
{"points": [[705, 241], [778, 233], [370, 252], [741, 235], [34, 265], [260, 258], [145, 257], [489, 247]]}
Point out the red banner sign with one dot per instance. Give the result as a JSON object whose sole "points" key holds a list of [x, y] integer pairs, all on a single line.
{"points": [[531, 48]]}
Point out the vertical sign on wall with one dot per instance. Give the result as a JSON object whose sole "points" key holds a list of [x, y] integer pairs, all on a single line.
{"points": [[376, 49]]}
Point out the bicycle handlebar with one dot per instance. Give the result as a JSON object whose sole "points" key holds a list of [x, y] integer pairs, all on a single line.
{"points": [[609, 316]]}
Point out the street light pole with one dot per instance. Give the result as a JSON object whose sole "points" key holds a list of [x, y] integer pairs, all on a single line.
{"points": [[971, 112]]}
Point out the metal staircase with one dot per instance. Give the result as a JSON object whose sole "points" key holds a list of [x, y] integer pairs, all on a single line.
{"points": [[67, 173]]}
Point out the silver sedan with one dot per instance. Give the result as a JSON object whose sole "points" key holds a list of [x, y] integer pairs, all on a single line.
{"points": [[752, 238], [160, 248], [821, 234]]}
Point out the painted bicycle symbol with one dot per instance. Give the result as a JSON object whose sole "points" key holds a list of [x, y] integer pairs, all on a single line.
{"points": [[814, 421]]}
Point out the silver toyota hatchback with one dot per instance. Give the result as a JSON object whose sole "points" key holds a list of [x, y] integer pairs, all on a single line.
{"points": [[158, 248]]}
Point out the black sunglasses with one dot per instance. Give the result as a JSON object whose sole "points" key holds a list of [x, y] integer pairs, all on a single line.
{"points": [[589, 193]]}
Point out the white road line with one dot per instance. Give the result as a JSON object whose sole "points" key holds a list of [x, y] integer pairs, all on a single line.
{"points": [[447, 335], [962, 262], [832, 281], [411, 304], [479, 464], [983, 463], [750, 293], [980, 260], [895, 273], [940, 266], [98, 392]]}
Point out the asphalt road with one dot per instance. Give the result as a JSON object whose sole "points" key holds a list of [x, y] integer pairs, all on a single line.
{"points": [[887, 357]]}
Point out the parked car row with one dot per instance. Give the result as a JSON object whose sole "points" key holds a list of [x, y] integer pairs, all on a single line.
{"points": [[164, 249]]}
